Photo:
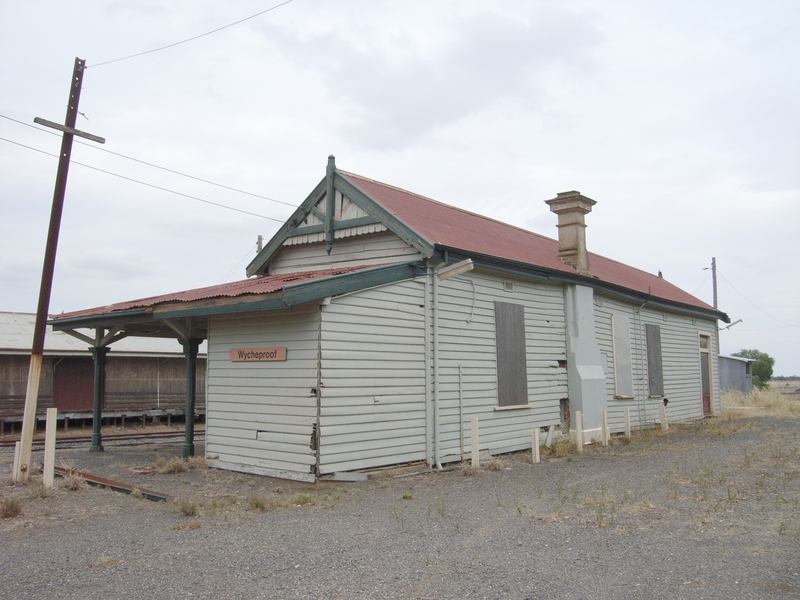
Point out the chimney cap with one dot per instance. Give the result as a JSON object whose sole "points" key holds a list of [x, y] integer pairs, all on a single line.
{"points": [[572, 201]]}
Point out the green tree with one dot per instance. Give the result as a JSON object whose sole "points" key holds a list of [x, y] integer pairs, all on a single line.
{"points": [[762, 366]]}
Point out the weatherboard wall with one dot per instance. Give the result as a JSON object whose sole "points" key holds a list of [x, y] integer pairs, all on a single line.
{"points": [[261, 415], [370, 249], [467, 343], [373, 378], [680, 363]]}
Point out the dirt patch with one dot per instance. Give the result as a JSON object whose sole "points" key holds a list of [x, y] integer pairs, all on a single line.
{"points": [[710, 509]]}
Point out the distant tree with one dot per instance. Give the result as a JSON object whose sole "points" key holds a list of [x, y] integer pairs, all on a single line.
{"points": [[762, 366]]}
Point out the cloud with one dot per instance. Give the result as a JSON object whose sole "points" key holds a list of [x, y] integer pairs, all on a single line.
{"points": [[396, 98]]}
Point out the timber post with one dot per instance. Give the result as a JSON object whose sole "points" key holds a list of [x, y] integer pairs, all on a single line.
{"points": [[99, 359], [190, 347], [22, 469]]}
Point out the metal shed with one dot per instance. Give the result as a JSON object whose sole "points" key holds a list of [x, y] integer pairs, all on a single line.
{"points": [[145, 377]]}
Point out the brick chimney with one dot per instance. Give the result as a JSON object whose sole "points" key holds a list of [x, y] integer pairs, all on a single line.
{"points": [[570, 208]]}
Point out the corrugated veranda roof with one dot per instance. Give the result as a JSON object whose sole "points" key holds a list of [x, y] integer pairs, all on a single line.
{"points": [[256, 285]]}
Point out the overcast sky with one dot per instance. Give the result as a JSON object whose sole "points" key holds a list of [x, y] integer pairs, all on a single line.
{"points": [[681, 119]]}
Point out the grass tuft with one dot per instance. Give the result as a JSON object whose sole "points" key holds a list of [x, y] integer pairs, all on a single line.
{"points": [[468, 470], [72, 482], [302, 500], [188, 509], [10, 508], [171, 465]]}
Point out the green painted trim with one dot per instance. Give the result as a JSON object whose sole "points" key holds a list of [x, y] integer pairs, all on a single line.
{"points": [[337, 225], [292, 295], [258, 265], [317, 213], [545, 275], [330, 203], [349, 282], [372, 207]]}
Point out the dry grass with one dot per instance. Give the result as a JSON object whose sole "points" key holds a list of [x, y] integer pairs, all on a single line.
{"points": [[772, 401], [188, 509], [198, 462], [10, 508], [563, 447], [72, 482], [171, 465], [177, 465]]}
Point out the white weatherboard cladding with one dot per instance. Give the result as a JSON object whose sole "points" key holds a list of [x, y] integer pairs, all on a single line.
{"points": [[680, 362], [371, 249], [373, 378], [467, 339], [260, 416]]}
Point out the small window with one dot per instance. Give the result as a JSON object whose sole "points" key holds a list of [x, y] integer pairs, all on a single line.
{"points": [[623, 368], [508, 286], [512, 371], [655, 374], [704, 342]]}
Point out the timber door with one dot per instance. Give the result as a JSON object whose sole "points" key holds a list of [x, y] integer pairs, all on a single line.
{"points": [[73, 384], [705, 373]]}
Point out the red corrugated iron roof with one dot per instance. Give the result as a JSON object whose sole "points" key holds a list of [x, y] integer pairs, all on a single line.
{"points": [[453, 227], [255, 285]]}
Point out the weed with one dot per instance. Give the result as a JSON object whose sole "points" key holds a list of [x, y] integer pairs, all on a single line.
{"points": [[782, 528], [257, 503], [563, 447], [137, 493], [407, 496], [172, 465], [494, 465], [438, 504], [188, 509], [302, 500], [72, 482], [468, 470], [10, 508], [399, 515], [188, 526], [198, 462]]}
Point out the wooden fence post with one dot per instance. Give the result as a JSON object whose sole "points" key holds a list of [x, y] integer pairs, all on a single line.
{"points": [[579, 430], [662, 411], [476, 462], [535, 445], [627, 422], [50, 447], [604, 426]]}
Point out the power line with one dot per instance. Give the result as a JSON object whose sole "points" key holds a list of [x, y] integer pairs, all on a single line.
{"points": [[108, 62], [751, 302], [698, 287], [236, 266], [149, 164], [151, 185]]}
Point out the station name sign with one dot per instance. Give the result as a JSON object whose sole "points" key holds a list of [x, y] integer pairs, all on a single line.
{"points": [[257, 354]]}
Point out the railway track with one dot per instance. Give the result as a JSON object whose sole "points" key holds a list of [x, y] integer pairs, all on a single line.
{"points": [[121, 439]]}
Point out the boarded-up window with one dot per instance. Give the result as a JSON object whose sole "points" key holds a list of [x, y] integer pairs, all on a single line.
{"points": [[623, 370], [512, 374], [655, 374]]}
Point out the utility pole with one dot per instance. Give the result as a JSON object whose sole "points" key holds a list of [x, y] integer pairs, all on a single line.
{"points": [[22, 465], [714, 278]]}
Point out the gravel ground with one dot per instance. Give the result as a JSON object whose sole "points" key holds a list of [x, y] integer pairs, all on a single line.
{"points": [[710, 510]]}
